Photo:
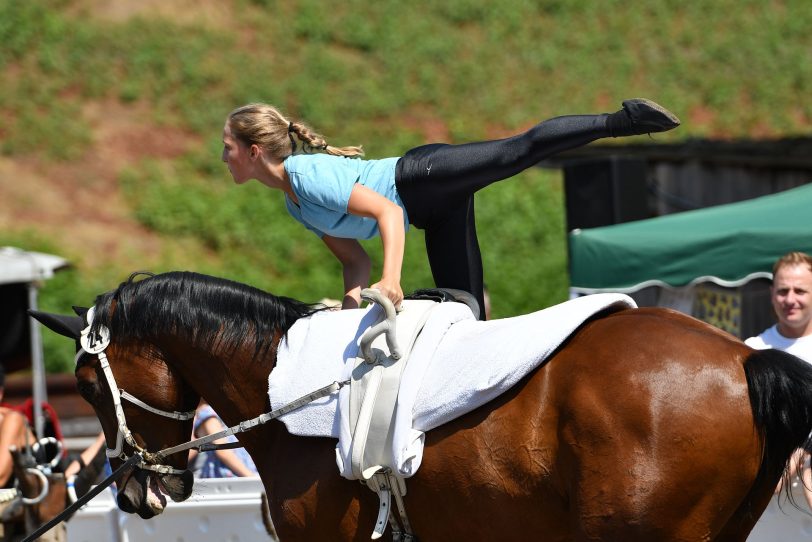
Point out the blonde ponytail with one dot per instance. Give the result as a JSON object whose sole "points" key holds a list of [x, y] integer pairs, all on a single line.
{"points": [[263, 125], [313, 142]]}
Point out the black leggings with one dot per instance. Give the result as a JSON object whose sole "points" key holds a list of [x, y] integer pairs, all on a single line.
{"points": [[437, 183]]}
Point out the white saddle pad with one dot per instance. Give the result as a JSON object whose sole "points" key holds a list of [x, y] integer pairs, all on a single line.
{"points": [[456, 365]]}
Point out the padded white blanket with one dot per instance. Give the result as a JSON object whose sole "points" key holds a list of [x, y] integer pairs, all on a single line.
{"points": [[457, 364]]}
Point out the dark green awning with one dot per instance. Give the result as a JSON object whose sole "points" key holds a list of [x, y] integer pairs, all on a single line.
{"points": [[728, 244]]}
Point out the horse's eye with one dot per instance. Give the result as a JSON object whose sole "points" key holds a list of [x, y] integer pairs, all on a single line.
{"points": [[88, 391]]}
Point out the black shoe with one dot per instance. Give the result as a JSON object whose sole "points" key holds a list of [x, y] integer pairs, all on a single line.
{"points": [[640, 116]]}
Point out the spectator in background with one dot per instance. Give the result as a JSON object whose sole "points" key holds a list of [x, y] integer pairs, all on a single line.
{"points": [[791, 295], [218, 463], [88, 468], [14, 431]]}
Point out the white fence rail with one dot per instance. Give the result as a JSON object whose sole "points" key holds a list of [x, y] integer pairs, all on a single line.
{"points": [[784, 522], [220, 509]]}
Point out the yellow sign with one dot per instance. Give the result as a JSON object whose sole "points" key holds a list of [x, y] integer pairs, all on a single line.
{"points": [[721, 307]]}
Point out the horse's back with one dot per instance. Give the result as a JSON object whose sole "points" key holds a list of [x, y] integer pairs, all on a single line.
{"points": [[639, 427], [641, 419]]}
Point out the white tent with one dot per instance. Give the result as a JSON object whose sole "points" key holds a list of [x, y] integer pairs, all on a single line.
{"points": [[18, 266]]}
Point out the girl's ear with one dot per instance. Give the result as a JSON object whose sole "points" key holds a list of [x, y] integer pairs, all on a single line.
{"points": [[254, 151]]}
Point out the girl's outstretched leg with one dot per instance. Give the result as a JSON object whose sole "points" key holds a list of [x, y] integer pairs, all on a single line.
{"points": [[440, 174], [443, 175], [436, 182]]}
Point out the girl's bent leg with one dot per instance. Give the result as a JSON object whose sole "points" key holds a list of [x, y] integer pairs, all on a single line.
{"points": [[453, 252]]}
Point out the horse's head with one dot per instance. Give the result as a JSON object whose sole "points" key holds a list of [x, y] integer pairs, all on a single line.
{"points": [[143, 406], [132, 348]]}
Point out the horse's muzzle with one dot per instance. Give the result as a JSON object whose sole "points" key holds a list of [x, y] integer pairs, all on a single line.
{"points": [[144, 491]]}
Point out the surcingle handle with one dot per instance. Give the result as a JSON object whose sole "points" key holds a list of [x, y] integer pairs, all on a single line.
{"points": [[373, 295]]}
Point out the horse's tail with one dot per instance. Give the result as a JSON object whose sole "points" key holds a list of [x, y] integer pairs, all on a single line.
{"points": [[780, 387]]}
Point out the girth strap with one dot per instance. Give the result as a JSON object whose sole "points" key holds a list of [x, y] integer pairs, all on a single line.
{"points": [[389, 487]]}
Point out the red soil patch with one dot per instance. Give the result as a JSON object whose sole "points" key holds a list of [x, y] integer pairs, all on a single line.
{"points": [[78, 204]]}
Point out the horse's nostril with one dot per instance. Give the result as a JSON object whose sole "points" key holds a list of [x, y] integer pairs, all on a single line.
{"points": [[146, 513], [132, 494], [88, 390], [179, 487], [125, 504]]}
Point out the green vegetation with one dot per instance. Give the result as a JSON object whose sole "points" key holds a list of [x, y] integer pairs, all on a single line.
{"points": [[388, 75]]}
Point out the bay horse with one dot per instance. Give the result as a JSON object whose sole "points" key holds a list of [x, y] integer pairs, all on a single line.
{"points": [[644, 425]]}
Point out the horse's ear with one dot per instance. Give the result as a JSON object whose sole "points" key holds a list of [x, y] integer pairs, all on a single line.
{"points": [[69, 326], [80, 311]]}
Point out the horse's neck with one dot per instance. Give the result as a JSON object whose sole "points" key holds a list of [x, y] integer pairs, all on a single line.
{"points": [[236, 385]]}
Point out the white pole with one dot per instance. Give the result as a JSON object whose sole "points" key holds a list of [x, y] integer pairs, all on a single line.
{"points": [[37, 365]]}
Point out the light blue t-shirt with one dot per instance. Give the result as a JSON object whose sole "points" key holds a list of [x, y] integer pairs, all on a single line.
{"points": [[323, 184]]}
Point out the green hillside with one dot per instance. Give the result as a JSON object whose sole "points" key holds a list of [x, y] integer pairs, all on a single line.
{"points": [[112, 114]]}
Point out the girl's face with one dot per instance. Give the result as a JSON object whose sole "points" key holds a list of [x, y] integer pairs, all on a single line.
{"points": [[237, 157]]}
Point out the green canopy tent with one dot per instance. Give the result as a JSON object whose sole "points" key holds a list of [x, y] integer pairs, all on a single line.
{"points": [[728, 245], [727, 250]]}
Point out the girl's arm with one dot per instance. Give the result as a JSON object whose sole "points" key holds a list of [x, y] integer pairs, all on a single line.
{"points": [[366, 202], [356, 266]]}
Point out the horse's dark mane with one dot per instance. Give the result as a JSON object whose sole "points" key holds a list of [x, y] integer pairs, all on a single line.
{"points": [[208, 311]]}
